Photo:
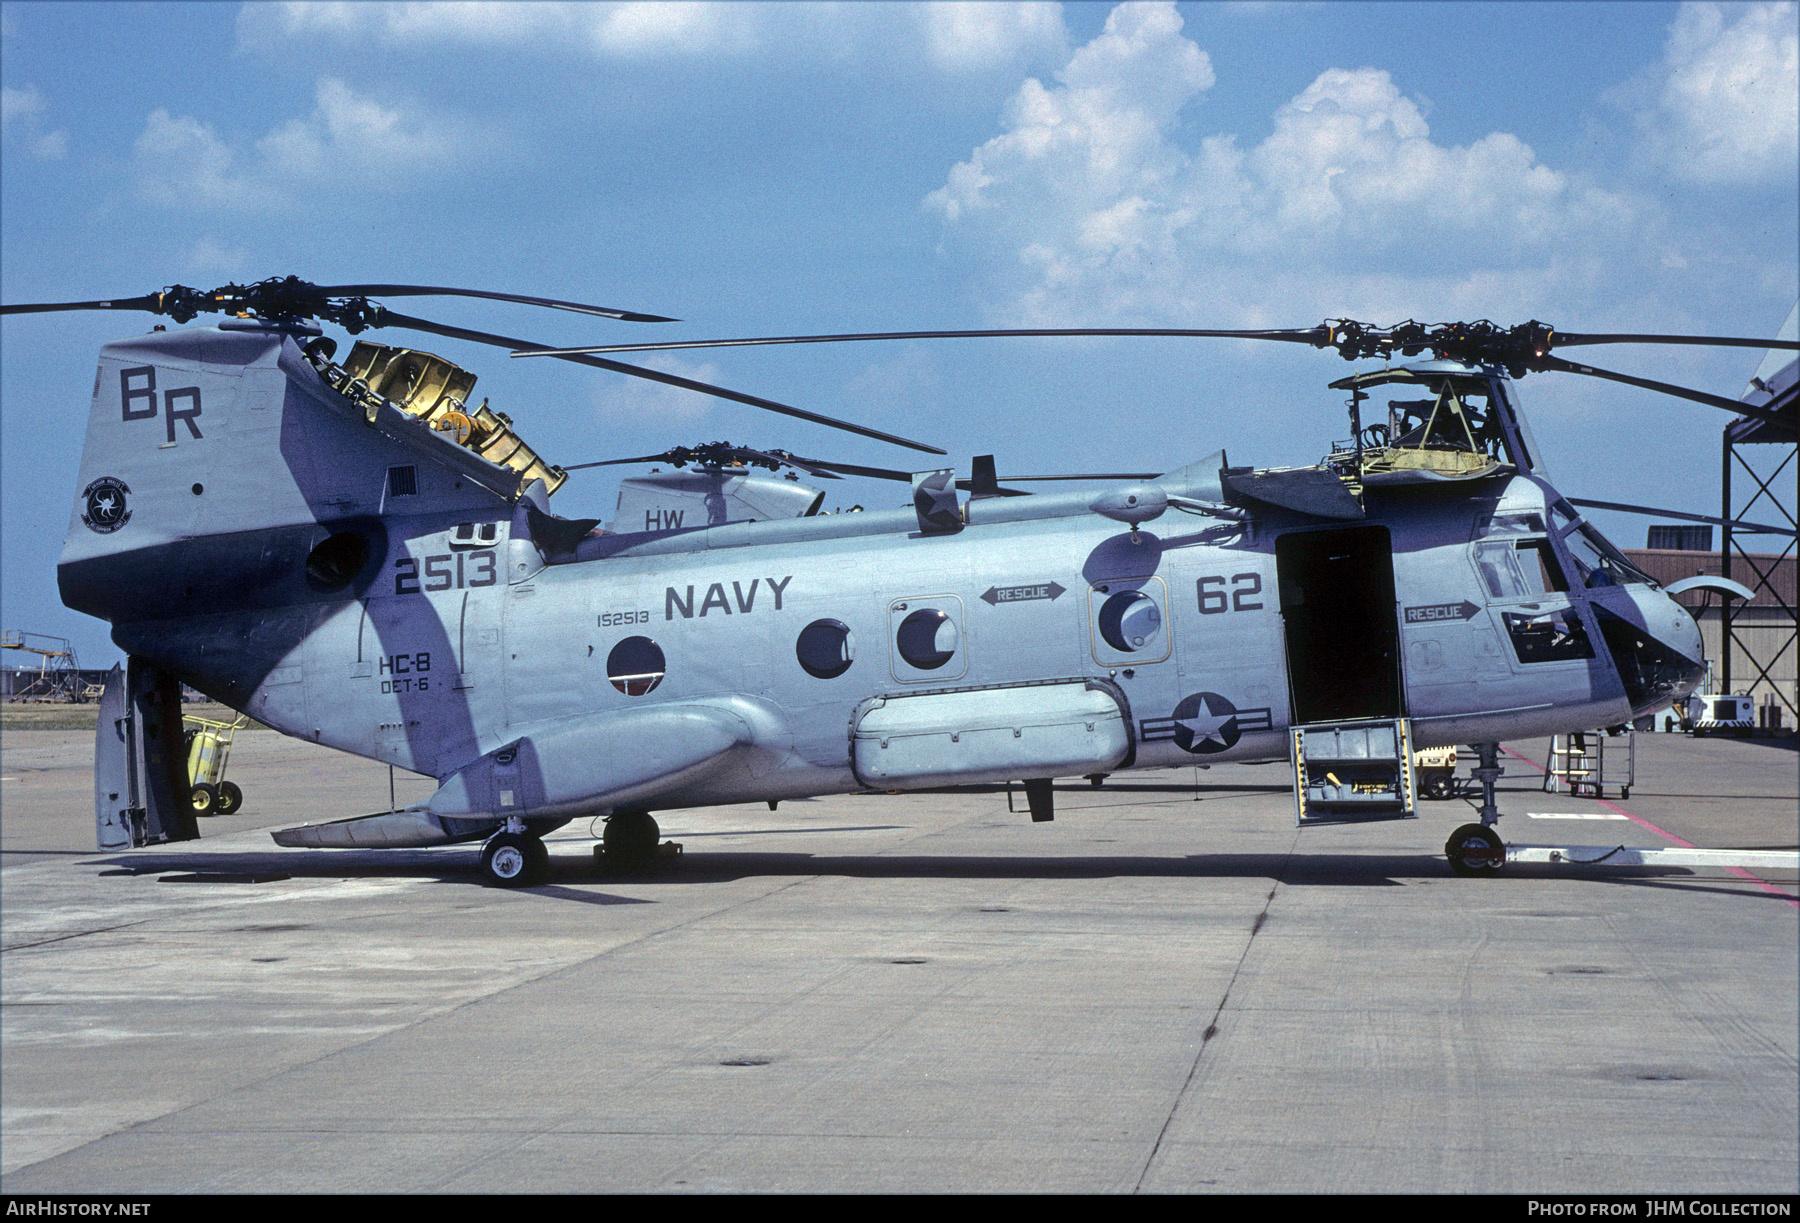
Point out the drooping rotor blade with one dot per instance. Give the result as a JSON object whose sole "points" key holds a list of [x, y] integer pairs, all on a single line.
{"points": [[147, 302], [1309, 335], [1736, 524], [389, 318], [844, 469], [628, 316], [1091, 475], [1560, 340], [1735, 407], [642, 458]]}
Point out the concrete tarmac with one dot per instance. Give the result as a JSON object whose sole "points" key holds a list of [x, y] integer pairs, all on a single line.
{"points": [[1168, 989]]}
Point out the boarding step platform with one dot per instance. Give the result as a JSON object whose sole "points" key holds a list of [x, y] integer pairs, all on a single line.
{"points": [[1592, 762], [1359, 770]]}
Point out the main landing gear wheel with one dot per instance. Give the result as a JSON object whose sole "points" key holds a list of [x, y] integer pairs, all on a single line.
{"points": [[513, 860], [631, 838], [1475, 849], [205, 799], [230, 798]]}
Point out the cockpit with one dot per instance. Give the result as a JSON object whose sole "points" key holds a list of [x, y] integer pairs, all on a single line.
{"points": [[1443, 421]]}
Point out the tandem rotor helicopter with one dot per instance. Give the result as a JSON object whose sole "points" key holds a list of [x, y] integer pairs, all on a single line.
{"points": [[359, 554]]}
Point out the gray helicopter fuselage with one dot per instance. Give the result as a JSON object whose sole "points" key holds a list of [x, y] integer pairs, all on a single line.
{"points": [[427, 620]]}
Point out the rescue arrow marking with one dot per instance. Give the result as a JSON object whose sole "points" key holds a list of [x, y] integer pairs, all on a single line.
{"points": [[997, 595], [1440, 611]]}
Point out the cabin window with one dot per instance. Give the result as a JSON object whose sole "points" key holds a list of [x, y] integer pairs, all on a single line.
{"points": [[635, 666], [826, 648], [1131, 621], [927, 638]]}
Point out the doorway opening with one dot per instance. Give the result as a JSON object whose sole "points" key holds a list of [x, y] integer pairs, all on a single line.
{"points": [[1337, 603]]}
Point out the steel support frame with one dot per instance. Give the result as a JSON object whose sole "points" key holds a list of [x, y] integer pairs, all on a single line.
{"points": [[1742, 432]]}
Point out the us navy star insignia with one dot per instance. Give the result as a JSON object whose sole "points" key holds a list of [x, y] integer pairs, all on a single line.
{"points": [[1205, 723]]}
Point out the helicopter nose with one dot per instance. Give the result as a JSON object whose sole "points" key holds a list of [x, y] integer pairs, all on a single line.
{"points": [[1656, 647]]}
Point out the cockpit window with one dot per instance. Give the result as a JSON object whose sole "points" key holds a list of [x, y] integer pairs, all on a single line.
{"points": [[1599, 563], [1517, 568], [1508, 524]]}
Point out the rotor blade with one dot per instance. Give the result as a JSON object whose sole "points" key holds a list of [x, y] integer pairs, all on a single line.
{"points": [[779, 458], [642, 458], [1736, 524], [147, 302], [1558, 340], [880, 473], [391, 319], [848, 469], [1712, 401], [1309, 335], [810, 466], [431, 291], [1093, 475]]}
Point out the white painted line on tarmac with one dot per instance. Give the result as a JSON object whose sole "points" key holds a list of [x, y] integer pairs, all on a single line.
{"points": [[1676, 855], [1574, 815]]}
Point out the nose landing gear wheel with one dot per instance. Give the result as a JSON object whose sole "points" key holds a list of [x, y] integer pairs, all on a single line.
{"points": [[513, 860], [1475, 849]]}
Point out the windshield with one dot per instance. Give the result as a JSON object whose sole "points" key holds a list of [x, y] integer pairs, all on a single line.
{"points": [[1596, 560]]}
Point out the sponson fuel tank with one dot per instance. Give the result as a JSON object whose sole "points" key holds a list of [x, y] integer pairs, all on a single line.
{"points": [[991, 734]]}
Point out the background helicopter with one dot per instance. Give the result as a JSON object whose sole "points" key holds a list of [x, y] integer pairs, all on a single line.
{"points": [[309, 545]]}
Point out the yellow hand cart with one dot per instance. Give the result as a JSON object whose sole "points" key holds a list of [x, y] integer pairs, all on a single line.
{"points": [[208, 750]]}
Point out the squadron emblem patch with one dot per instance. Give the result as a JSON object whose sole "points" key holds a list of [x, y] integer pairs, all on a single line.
{"points": [[104, 505]]}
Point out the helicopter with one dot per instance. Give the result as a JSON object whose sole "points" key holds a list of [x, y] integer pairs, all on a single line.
{"points": [[357, 554]]}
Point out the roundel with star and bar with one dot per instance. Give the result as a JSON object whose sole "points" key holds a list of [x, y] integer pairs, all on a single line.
{"points": [[1204, 723]]}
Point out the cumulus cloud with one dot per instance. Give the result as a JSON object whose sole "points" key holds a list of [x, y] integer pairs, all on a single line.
{"points": [[180, 161], [19, 118], [951, 37], [637, 401], [1088, 206], [1726, 105]]}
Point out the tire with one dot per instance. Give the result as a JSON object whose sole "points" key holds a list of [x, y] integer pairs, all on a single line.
{"points": [[231, 799], [513, 860], [205, 799], [1437, 786], [1475, 850], [631, 838]]}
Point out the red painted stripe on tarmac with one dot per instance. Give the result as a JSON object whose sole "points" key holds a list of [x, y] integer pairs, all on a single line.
{"points": [[1664, 833]]}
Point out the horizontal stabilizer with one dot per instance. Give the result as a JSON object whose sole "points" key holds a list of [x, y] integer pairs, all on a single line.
{"points": [[408, 829]]}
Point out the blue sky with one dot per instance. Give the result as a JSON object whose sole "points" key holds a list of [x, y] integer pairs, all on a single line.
{"points": [[799, 168]]}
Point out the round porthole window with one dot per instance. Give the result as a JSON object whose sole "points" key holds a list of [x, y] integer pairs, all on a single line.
{"points": [[1130, 621], [825, 649], [635, 666], [927, 639], [335, 563]]}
